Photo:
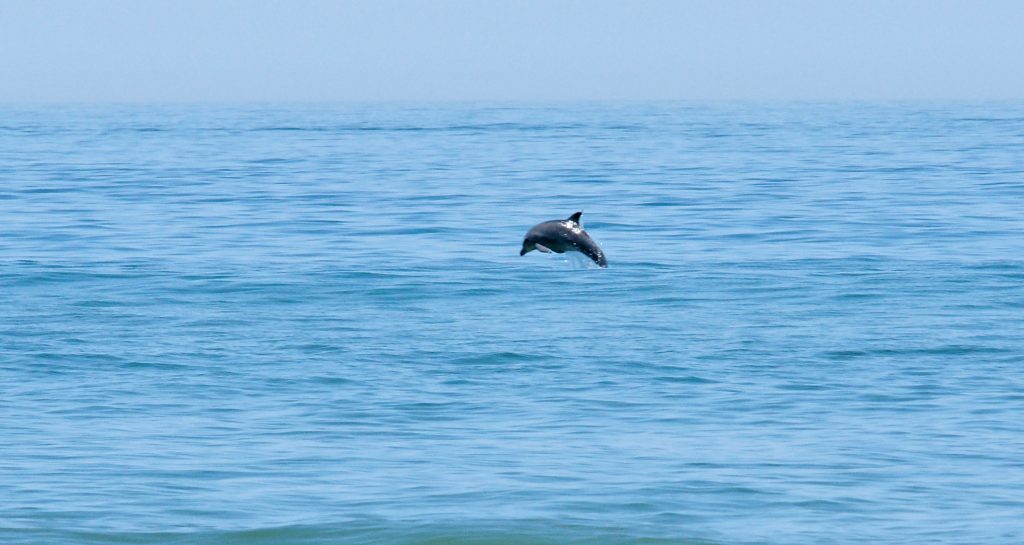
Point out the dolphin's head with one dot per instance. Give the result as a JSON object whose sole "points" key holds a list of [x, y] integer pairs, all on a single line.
{"points": [[528, 246]]}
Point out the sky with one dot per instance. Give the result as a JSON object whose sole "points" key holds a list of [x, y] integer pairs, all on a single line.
{"points": [[509, 50]]}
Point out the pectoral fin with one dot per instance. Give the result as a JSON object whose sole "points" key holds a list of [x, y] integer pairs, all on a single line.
{"points": [[543, 248]]}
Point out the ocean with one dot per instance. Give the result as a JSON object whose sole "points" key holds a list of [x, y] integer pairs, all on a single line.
{"points": [[310, 324]]}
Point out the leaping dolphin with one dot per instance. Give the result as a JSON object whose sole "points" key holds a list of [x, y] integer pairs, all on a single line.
{"points": [[562, 236]]}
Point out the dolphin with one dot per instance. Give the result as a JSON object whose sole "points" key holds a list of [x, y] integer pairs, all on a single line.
{"points": [[562, 236]]}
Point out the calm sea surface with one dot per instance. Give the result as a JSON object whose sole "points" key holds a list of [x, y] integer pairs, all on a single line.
{"points": [[311, 325]]}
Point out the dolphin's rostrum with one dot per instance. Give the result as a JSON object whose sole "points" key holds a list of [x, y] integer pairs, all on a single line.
{"points": [[562, 236]]}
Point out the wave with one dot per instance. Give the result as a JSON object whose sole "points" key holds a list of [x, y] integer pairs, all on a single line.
{"points": [[362, 533]]}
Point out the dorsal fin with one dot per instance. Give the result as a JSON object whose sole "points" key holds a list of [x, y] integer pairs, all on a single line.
{"points": [[576, 217]]}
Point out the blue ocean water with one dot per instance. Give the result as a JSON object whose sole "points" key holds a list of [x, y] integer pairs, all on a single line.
{"points": [[309, 324]]}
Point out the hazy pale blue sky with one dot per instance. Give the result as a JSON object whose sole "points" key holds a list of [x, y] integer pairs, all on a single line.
{"points": [[209, 50]]}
